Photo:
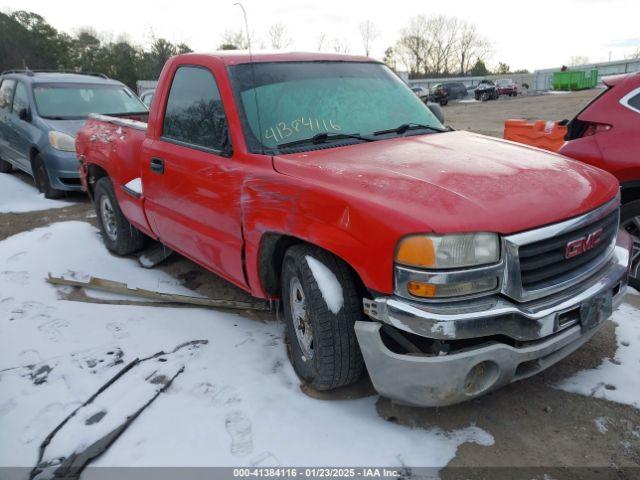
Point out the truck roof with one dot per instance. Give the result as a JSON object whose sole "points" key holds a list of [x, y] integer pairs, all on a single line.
{"points": [[235, 57]]}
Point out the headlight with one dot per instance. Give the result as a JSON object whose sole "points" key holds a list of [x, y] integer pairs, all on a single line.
{"points": [[449, 251], [62, 141]]}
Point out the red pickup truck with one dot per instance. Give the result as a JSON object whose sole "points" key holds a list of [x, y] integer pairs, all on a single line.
{"points": [[447, 263]]}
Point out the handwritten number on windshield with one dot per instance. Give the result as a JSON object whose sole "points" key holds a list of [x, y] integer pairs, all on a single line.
{"points": [[284, 130]]}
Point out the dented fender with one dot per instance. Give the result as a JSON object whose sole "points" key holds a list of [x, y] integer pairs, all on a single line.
{"points": [[317, 215]]}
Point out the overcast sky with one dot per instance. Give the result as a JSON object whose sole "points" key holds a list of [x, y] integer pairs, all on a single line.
{"points": [[532, 35]]}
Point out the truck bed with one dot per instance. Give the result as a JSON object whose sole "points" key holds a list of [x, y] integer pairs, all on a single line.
{"points": [[113, 143]]}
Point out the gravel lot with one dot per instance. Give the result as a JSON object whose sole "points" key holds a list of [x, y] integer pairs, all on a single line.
{"points": [[488, 117], [533, 424]]}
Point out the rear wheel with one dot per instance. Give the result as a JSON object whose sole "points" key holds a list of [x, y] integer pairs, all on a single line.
{"points": [[120, 237], [444, 101], [320, 331], [41, 177], [5, 167], [630, 221]]}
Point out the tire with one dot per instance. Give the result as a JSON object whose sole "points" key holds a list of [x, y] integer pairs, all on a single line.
{"points": [[120, 237], [5, 167], [444, 101], [322, 345], [630, 221], [41, 177]]}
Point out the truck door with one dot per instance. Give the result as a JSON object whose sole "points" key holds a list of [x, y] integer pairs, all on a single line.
{"points": [[191, 185]]}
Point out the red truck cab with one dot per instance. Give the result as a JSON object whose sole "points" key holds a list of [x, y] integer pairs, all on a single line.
{"points": [[445, 263]]}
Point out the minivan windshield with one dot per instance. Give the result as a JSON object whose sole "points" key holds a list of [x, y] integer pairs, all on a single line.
{"points": [[77, 101], [290, 102]]}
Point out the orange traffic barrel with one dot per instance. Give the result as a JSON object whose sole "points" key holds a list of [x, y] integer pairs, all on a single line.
{"points": [[541, 134]]}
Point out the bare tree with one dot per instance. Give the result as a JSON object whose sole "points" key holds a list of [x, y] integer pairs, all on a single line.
{"points": [[278, 37], [368, 34], [441, 36], [576, 60], [470, 48], [503, 68], [340, 46], [634, 55], [320, 40], [440, 45], [234, 40], [413, 47], [390, 58]]}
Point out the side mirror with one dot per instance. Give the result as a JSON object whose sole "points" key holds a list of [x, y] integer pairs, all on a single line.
{"points": [[24, 114], [437, 111]]}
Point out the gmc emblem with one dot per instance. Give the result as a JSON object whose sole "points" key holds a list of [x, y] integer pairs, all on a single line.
{"points": [[581, 245]]}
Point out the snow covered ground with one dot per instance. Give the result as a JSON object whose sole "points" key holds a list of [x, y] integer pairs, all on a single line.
{"points": [[616, 379], [234, 399], [18, 196]]}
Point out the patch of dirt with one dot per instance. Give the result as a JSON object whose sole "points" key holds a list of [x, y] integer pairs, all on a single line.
{"points": [[12, 223]]}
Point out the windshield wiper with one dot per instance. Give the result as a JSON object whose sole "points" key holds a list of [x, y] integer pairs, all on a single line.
{"points": [[323, 137], [405, 127]]}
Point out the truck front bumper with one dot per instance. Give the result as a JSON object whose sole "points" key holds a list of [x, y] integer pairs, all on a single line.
{"points": [[539, 334]]}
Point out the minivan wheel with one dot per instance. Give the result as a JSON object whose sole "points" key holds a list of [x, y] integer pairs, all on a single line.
{"points": [[320, 334], [630, 221], [5, 167], [120, 237], [41, 177]]}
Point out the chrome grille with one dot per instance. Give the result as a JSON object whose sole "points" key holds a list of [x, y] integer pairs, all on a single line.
{"points": [[535, 262], [543, 263]]}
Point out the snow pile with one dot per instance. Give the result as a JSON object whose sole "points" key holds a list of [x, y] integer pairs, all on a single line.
{"points": [[618, 379], [238, 402], [327, 283], [17, 196], [601, 424]]}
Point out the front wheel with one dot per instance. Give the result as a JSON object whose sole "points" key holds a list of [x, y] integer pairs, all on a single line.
{"points": [[444, 101], [630, 221], [321, 305], [41, 177], [120, 237]]}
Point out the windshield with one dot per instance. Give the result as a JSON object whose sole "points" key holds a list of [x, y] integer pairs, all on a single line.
{"points": [[298, 100], [74, 101]]}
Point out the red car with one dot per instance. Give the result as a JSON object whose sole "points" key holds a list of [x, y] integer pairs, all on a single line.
{"points": [[506, 86], [606, 134], [446, 263]]}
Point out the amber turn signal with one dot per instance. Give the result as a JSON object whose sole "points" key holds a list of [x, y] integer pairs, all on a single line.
{"points": [[417, 251], [420, 289]]}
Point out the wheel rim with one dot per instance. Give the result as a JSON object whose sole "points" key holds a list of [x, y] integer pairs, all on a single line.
{"points": [[108, 215], [300, 318], [632, 225]]}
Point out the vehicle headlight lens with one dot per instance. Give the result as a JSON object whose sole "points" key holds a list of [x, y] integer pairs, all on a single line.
{"points": [[449, 251], [62, 141]]}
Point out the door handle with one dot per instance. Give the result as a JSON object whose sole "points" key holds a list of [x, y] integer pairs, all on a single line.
{"points": [[157, 165]]}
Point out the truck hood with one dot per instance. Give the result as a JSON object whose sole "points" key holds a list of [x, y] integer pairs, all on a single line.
{"points": [[457, 181], [70, 127]]}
